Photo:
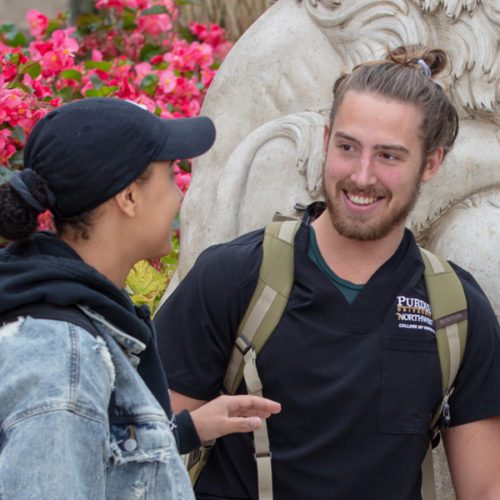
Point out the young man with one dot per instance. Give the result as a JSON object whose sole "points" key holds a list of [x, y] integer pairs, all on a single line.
{"points": [[357, 383]]}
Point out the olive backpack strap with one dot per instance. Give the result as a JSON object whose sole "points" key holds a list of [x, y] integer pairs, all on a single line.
{"points": [[267, 305], [449, 313]]}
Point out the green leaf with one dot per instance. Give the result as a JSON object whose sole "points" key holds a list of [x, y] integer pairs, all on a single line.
{"points": [[157, 9], [34, 69], [66, 94], [17, 40], [102, 65], [18, 134], [149, 51], [161, 65], [146, 284], [186, 34], [93, 93], [12, 36], [72, 74], [149, 84], [16, 161], [107, 90], [5, 174], [187, 2], [88, 23], [53, 25], [128, 20], [13, 57], [96, 81], [19, 85], [7, 27], [184, 165]]}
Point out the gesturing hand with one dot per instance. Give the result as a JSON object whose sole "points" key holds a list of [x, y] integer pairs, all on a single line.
{"points": [[230, 414]]}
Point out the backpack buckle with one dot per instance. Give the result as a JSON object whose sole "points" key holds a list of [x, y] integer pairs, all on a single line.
{"points": [[243, 344]]}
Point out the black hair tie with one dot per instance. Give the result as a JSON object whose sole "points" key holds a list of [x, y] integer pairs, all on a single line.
{"points": [[23, 181]]}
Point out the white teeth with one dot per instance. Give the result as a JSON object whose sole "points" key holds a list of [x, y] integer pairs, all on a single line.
{"points": [[361, 200]]}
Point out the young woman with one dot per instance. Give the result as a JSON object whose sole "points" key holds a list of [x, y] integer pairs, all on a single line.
{"points": [[84, 405]]}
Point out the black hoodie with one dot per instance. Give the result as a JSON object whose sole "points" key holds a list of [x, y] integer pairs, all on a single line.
{"points": [[45, 269]]}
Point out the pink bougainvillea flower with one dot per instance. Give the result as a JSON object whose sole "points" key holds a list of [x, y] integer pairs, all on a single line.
{"points": [[64, 42], [9, 73], [154, 24], [109, 4], [142, 70], [167, 81], [37, 23], [144, 100], [213, 35], [203, 54], [40, 90], [46, 221], [7, 146], [39, 48], [97, 55], [182, 179]]}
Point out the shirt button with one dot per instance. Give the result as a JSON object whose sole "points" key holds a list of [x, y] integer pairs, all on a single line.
{"points": [[130, 444]]}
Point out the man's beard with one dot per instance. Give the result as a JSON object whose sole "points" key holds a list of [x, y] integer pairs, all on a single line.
{"points": [[356, 228]]}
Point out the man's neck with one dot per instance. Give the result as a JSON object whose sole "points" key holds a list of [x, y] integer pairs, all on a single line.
{"points": [[353, 260]]}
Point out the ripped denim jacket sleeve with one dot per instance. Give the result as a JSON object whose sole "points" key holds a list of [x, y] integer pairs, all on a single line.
{"points": [[56, 439]]}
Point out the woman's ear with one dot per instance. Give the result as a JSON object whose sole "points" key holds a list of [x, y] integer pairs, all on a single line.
{"points": [[127, 200], [433, 163]]}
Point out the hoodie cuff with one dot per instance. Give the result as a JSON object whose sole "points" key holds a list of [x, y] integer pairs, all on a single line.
{"points": [[187, 437]]}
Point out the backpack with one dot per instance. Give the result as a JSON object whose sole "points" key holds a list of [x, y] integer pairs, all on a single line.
{"points": [[268, 303]]}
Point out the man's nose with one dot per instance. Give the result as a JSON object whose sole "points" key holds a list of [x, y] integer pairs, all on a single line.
{"points": [[364, 172]]}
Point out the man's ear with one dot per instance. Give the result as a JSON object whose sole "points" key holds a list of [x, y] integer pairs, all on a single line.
{"points": [[433, 163], [127, 200], [326, 137]]}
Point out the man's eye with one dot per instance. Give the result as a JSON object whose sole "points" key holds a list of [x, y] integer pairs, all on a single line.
{"points": [[389, 156]]}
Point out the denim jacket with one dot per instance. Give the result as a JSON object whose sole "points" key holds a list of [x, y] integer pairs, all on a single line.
{"points": [[56, 438]]}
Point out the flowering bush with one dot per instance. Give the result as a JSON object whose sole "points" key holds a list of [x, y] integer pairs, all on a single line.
{"points": [[131, 49]]}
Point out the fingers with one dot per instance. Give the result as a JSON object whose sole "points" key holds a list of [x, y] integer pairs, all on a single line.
{"points": [[247, 406], [243, 424]]}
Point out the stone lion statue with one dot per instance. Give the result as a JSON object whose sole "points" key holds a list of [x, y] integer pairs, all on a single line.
{"points": [[270, 102], [271, 98]]}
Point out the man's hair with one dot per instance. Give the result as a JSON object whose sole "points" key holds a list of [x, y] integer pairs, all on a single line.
{"points": [[406, 75]]}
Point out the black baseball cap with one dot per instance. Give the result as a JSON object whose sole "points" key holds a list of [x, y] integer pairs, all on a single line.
{"points": [[91, 149]]}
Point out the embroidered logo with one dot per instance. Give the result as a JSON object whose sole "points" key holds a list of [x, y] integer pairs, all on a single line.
{"points": [[415, 314]]}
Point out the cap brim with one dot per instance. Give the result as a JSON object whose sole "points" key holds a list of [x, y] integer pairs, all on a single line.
{"points": [[187, 138]]}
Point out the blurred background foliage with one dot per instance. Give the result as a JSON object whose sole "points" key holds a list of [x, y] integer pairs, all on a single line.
{"points": [[235, 16]]}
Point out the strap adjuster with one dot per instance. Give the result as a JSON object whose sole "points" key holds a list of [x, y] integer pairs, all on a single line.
{"points": [[243, 344]]}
